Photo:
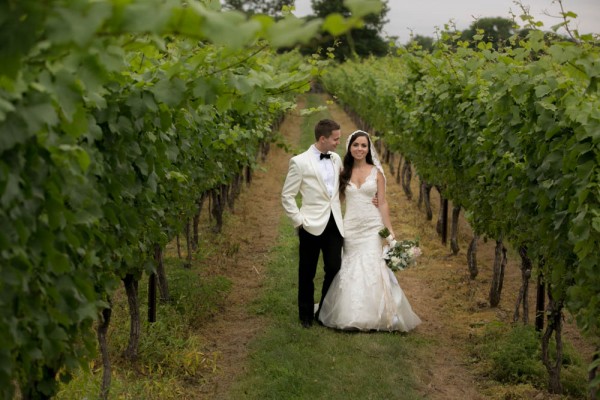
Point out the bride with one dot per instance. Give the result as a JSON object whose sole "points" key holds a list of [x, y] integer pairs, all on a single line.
{"points": [[365, 294]]}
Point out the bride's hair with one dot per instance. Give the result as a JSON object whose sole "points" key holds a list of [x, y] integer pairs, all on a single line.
{"points": [[346, 173]]}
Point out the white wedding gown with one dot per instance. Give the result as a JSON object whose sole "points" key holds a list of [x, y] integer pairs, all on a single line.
{"points": [[365, 294]]}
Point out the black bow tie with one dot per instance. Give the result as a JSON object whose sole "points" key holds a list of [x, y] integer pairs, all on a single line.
{"points": [[322, 156]]}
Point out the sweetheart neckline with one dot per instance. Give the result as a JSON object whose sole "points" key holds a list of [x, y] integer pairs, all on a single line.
{"points": [[365, 181]]}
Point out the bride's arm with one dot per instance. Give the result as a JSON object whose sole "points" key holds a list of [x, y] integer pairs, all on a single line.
{"points": [[383, 205]]}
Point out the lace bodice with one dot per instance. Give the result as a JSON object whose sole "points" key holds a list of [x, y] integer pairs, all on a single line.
{"points": [[362, 217]]}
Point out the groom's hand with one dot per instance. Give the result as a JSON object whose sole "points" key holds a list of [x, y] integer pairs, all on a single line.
{"points": [[375, 201]]}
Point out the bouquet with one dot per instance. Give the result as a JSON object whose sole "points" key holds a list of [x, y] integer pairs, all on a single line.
{"points": [[399, 255]]}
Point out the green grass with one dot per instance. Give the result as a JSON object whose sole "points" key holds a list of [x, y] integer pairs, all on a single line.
{"points": [[171, 353], [290, 362], [308, 123], [512, 355]]}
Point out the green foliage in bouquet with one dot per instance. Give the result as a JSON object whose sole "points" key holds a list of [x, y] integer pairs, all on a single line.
{"points": [[399, 255]]}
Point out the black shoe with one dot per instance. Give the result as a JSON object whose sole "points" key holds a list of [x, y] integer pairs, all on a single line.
{"points": [[306, 323]]}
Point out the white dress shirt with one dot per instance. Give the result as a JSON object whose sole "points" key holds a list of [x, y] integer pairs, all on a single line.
{"points": [[327, 169]]}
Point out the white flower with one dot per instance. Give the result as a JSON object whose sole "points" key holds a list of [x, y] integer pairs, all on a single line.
{"points": [[401, 254], [414, 252]]}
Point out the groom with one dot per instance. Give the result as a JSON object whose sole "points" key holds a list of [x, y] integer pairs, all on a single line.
{"points": [[315, 175]]}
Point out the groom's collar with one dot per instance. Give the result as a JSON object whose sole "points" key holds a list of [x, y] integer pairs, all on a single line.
{"points": [[317, 152]]}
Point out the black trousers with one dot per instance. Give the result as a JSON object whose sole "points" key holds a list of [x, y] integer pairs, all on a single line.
{"points": [[330, 242]]}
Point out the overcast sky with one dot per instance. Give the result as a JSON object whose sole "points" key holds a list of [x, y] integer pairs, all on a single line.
{"points": [[422, 16]]}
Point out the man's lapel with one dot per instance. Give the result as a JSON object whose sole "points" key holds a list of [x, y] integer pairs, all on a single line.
{"points": [[315, 166]]}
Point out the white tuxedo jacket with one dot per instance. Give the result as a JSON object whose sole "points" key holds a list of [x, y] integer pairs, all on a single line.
{"points": [[304, 177]]}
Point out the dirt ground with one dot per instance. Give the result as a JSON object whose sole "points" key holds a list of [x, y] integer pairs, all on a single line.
{"points": [[451, 305]]}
